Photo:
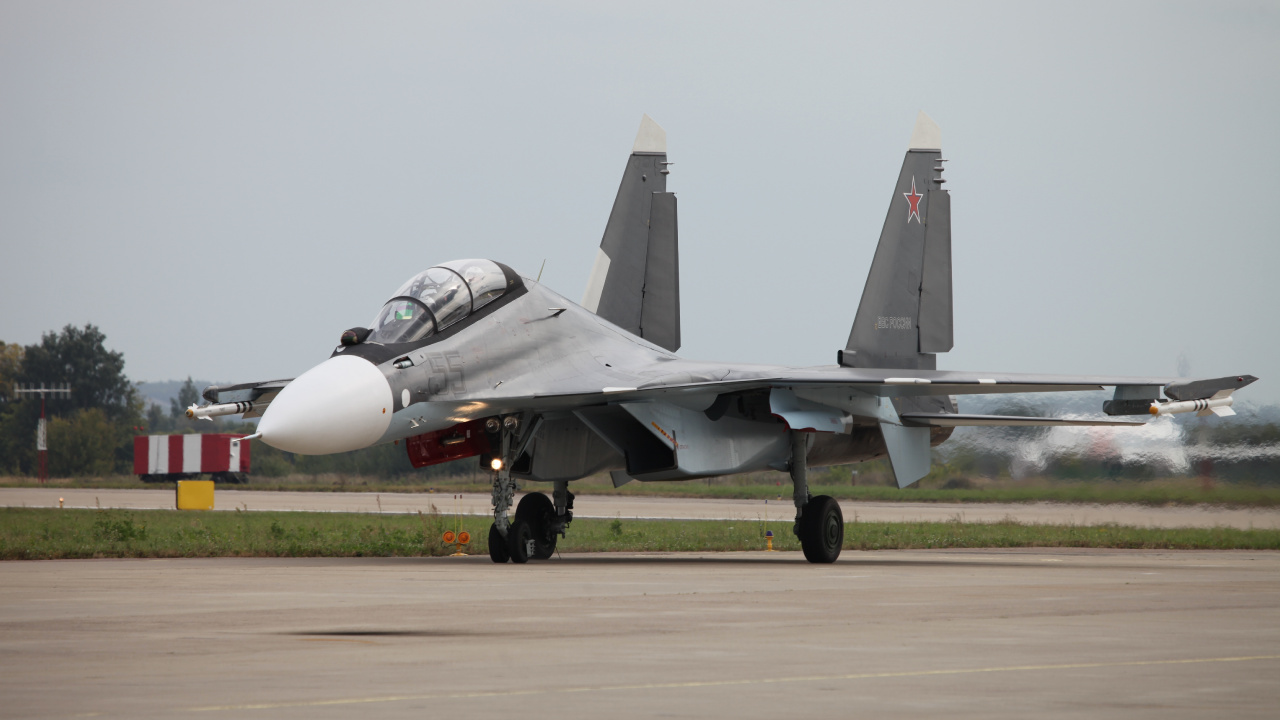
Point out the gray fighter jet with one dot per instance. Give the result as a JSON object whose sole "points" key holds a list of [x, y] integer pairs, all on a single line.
{"points": [[470, 359]]}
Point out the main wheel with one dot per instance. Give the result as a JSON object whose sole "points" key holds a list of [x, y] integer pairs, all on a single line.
{"points": [[821, 530], [519, 538], [497, 546], [540, 512]]}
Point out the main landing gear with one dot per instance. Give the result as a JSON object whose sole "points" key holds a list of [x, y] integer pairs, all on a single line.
{"points": [[539, 521], [819, 522]]}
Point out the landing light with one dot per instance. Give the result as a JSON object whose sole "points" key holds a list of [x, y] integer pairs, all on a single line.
{"points": [[496, 464]]}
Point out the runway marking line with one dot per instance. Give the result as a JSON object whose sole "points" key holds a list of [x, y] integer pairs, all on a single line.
{"points": [[724, 683]]}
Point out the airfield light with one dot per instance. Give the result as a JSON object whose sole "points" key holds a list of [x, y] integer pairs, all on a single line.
{"points": [[496, 464], [457, 537]]}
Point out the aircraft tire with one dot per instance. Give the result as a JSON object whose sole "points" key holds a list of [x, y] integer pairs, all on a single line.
{"points": [[539, 511], [822, 530], [497, 546], [518, 537]]}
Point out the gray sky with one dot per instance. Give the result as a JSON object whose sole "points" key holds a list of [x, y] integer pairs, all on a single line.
{"points": [[224, 187]]}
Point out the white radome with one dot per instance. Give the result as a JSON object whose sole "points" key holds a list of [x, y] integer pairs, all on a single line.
{"points": [[342, 404]]}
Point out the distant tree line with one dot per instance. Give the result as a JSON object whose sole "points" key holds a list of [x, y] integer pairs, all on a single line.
{"points": [[91, 432], [92, 428]]}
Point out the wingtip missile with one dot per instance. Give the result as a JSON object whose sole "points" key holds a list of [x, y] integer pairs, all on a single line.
{"points": [[1220, 406]]}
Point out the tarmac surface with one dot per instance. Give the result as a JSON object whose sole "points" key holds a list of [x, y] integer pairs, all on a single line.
{"points": [[625, 506], [897, 634]]}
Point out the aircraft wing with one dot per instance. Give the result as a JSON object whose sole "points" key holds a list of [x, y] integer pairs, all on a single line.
{"points": [[902, 383], [909, 407], [911, 383], [849, 389]]}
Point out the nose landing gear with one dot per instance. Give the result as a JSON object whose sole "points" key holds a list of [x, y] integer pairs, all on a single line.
{"points": [[539, 521], [501, 434]]}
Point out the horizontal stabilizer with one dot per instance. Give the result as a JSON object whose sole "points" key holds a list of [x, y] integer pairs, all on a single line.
{"points": [[954, 420], [251, 398], [244, 392]]}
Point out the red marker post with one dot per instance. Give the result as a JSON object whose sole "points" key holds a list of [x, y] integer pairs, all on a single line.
{"points": [[42, 437]]}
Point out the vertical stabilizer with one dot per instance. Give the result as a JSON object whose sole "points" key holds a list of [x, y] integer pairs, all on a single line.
{"points": [[635, 282], [905, 315]]}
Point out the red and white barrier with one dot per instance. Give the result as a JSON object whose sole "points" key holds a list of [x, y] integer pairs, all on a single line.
{"points": [[190, 454]]}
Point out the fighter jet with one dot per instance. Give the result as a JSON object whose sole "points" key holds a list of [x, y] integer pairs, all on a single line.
{"points": [[470, 359]]}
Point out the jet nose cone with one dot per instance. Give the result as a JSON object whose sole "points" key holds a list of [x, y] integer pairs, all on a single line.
{"points": [[342, 404]]}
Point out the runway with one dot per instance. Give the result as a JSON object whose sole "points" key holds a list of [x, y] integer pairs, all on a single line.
{"points": [[625, 506], [1016, 634]]}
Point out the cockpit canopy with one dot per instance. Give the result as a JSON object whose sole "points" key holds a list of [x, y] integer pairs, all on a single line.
{"points": [[436, 298]]}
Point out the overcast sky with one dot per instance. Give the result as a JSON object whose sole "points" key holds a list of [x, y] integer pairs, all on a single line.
{"points": [[225, 187]]}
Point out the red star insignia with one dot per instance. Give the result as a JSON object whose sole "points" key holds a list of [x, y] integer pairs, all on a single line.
{"points": [[913, 197]]}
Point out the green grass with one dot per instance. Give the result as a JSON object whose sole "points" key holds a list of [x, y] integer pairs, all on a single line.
{"points": [[758, 486], [40, 533], [1150, 493]]}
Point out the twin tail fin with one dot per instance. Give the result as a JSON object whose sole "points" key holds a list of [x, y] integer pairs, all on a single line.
{"points": [[905, 316], [635, 282]]}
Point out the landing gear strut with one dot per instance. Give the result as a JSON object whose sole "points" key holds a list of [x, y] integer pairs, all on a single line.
{"points": [[819, 522], [538, 520], [502, 434]]}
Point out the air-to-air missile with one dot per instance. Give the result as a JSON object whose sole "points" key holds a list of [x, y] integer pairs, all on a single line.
{"points": [[209, 412], [1219, 404]]}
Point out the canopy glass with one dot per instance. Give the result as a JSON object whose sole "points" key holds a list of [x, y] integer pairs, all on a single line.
{"points": [[436, 298]]}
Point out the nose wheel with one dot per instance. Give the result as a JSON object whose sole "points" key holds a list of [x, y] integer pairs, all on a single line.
{"points": [[532, 535], [520, 542], [535, 514], [497, 545]]}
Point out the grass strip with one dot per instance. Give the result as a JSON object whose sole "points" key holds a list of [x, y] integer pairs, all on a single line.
{"points": [[1178, 491], [1104, 493], [50, 533]]}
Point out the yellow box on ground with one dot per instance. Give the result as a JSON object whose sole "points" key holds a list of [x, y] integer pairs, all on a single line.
{"points": [[195, 494]]}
